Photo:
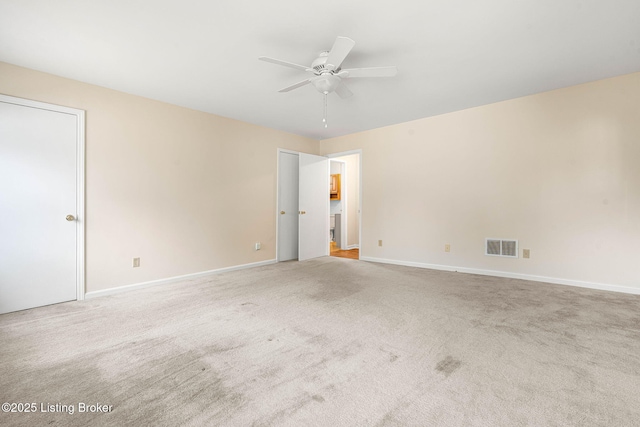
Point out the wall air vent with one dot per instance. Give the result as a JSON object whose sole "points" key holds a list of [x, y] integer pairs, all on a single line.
{"points": [[501, 247]]}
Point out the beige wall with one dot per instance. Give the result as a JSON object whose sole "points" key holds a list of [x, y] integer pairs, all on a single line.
{"points": [[183, 190], [188, 191], [559, 171]]}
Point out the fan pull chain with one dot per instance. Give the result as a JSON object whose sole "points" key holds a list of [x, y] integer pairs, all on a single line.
{"points": [[324, 114]]}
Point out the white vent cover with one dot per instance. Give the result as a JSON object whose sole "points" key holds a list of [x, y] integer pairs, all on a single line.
{"points": [[501, 247]]}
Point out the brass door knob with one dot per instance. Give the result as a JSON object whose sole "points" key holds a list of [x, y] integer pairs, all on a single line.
{"points": [[281, 212], [70, 218]]}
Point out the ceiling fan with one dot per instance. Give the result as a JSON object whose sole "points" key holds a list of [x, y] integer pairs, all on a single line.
{"points": [[327, 75]]}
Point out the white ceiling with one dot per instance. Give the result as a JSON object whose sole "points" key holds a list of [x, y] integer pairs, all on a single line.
{"points": [[202, 54]]}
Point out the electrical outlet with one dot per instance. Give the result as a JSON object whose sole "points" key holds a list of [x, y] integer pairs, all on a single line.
{"points": [[526, 253], [379, 242], [258, 246], [447, 248], [136, 262]]}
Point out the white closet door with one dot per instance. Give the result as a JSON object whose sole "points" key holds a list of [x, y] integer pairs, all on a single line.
{"points": [[288, 165], [37, 192], [313, 206]]}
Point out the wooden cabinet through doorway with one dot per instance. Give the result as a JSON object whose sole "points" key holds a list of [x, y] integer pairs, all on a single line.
{"points": [[334, 188]]}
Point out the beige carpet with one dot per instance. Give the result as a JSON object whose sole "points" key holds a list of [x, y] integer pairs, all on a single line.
{"points": [[330, 342]]}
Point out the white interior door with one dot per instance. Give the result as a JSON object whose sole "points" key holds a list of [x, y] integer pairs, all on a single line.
{"points": [[313, 206], [37, 191], [287, 206]]}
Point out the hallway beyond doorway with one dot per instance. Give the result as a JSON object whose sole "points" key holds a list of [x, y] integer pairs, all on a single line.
{"points": [[350, 253]]}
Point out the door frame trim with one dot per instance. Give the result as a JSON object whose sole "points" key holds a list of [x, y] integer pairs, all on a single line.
{"points": [[344, 190], [80, 179]]}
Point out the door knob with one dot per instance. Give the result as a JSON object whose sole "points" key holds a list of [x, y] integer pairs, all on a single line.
{"points": [[281, 212], [70, 218]]}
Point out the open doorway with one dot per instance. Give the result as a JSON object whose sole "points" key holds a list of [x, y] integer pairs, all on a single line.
{"points": [[345, 206]]}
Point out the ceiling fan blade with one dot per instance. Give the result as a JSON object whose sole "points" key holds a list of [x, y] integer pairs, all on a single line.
{"points": [[284, 63], [343, 91], [368, 72], [295, 86], [339, 51]]}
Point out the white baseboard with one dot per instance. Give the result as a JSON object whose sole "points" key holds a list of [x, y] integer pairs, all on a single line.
{"points": [[578, 283], [352, 247], [127, 288]]}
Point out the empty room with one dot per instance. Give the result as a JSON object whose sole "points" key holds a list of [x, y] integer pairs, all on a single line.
{"points": [[323, 214]]}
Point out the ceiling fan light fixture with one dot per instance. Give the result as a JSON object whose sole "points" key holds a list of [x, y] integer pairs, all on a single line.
{"points": [[326, 83]]}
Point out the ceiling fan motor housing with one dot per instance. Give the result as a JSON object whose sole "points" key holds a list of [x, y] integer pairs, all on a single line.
{"points": [[318, 63], [326, 82]]}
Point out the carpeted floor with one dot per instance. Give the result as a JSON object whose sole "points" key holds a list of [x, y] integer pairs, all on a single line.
{"points": [[329, 342]]}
